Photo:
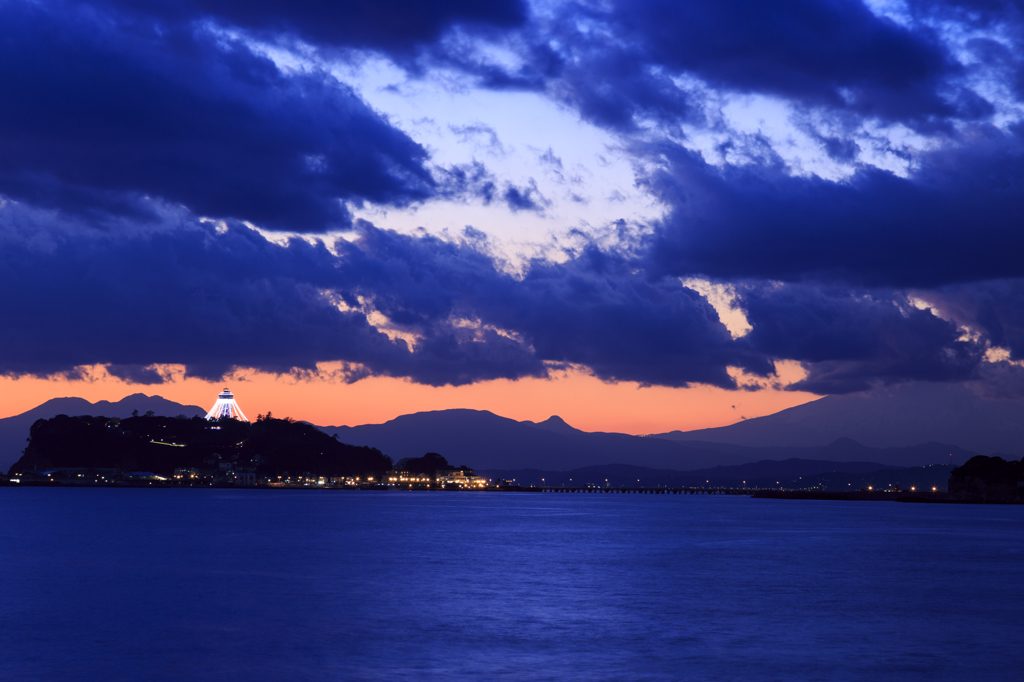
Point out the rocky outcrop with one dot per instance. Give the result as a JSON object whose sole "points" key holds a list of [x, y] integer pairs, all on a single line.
{"points": [[988, 479]]}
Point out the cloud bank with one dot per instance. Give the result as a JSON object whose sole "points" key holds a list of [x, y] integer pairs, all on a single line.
{"points": [[870, 231]]}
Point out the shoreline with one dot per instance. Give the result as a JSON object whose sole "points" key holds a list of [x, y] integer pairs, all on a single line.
{"points": [[938, 497]]}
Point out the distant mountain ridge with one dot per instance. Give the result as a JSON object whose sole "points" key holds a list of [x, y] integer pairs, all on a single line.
{"points": [[891, 417], [482, 439], [487, 441], [903, 427], [14, 430]]}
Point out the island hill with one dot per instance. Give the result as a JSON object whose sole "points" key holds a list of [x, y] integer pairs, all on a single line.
{"points": [[988, 479], [154, 450]]}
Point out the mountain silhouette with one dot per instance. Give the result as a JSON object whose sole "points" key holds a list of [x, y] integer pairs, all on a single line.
{"points": [[14, 430], [486, 441], [891, 417], [555, 424], [825, 430], [483, 439]]}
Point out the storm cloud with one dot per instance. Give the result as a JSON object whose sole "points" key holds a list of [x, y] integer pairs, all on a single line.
{"points": [[98, 112], [958, 219], [214, 299], [148, 149], [397, 27], [438, 312]]}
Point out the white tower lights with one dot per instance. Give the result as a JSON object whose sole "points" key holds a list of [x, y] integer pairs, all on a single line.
{"points": [[226, 407]]}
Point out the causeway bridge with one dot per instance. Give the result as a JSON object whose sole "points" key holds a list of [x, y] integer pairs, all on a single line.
{"points": [[642, 491]]}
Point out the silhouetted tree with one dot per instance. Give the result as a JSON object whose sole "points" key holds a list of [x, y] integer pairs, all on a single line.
{"points": [[427, 465]]}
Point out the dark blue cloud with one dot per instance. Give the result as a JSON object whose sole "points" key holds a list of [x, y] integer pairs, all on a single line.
{"points": [[136, 374], [526, 198], [593, 310], [836, 52], [475, 180], [215, 299], [852, 340], [397, 27], [993, 309], [956, 219], [620, 63], [98, 113]]}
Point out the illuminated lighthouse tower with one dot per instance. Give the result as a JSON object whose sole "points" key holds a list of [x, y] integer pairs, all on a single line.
{"points": [[226, 407]]}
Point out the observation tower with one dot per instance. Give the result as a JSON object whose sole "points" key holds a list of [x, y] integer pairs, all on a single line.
{"points": [[226, 407]]}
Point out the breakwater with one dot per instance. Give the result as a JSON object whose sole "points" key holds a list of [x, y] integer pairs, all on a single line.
{"points": [[641, 490]]}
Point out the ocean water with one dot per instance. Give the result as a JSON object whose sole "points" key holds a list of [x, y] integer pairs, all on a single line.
{"points": [[129, 584]]}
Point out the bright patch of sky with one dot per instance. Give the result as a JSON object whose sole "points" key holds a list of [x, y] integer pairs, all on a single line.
{"points": [[896, 11], [722, 298], [581, 173], [751, 125]]}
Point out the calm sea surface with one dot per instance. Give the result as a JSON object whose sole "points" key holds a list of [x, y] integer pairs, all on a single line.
{"points": [[123, 584]]}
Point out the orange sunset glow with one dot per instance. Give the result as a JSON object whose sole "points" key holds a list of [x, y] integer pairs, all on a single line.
{"points": [[582, 400]]}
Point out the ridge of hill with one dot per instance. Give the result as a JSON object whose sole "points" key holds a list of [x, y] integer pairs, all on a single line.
{"points": [[897, 416], [487, 441], [160, 445], [482, 439], [14, 430]]}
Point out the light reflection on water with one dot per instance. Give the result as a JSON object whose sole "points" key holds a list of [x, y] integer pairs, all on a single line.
{"points": [[123, 584]]}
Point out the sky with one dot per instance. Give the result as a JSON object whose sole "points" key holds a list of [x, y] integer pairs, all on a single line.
{"points": [[641, 215]]}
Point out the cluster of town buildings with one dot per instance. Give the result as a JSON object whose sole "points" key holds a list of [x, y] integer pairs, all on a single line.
{"points": [[444, 479], [396, 478], [228, 475]]}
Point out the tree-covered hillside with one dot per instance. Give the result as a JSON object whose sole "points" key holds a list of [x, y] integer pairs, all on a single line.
{"points": [[274, 447], [988, 479]]}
